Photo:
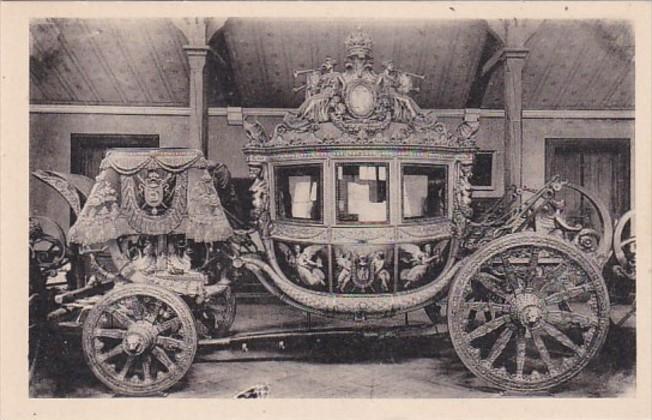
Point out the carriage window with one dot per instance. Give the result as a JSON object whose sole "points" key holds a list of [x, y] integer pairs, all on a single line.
{"points": [[299, 192], [362, 193], [424, 191]]}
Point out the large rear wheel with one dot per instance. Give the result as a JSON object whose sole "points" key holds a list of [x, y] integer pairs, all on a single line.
{"points": [[528, 312]]}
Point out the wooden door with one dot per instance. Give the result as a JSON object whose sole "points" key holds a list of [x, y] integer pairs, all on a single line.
{"points": [[601, 166]]}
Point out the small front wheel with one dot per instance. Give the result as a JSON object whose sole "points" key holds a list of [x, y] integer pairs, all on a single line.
{"points": [[139, 339], [528, 312]]}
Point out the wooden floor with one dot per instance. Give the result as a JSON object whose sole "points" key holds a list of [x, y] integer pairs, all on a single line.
{"points": [[417, 367]]}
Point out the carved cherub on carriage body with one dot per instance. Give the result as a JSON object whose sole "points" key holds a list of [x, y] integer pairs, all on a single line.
{"points": [[380, 271], [345, 263], [420, 261], [307, 263]]}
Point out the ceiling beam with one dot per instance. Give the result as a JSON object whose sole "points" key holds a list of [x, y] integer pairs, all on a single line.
{"points": [[490, 55], [199, 31], [492, 61], [514, 33]]}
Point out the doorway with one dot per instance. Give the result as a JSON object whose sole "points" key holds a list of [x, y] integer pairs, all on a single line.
{"points": [[87, 150], [602, 166]]}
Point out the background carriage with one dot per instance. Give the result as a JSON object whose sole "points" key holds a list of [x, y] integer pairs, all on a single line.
{"points": [[361, 209]]}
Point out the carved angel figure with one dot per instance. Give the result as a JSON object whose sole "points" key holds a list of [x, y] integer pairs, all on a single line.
{"points": [[343, 260], [146, 259], [315, 108], [420, 261], [378, 265], [258, 190], [308, 267], [398, 85], [177, 263]]}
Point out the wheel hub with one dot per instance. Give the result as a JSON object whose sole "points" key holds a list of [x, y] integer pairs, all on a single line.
{"points": [[139, 338], [528, 309]]}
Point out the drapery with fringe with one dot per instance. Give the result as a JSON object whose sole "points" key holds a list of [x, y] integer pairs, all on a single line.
{"points": [[152, 192]]}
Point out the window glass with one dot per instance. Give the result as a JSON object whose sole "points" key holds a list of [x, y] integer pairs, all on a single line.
{"points": [[424, 191], [362, 193], [299, 192]]}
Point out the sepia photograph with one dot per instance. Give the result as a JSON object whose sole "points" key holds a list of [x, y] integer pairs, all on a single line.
{"points": [[282, 207]]}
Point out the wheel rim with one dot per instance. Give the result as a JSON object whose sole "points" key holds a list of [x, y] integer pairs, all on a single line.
{"points": [[528, 312], [139, 339]]}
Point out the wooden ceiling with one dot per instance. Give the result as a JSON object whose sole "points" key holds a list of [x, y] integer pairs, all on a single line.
{"points": [[574, 65], [108, 62], [571, 64]]}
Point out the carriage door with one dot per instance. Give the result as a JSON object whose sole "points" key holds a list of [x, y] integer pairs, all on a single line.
{"points": [[600, 166], [86, 154]]}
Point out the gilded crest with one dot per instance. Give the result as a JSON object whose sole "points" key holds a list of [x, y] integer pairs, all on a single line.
{"points": [[155, 190]]}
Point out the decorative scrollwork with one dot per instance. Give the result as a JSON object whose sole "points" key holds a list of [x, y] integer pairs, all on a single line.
{"points": [[362, 234], [286, 231], [625, 247], [62, 186], [260, 198], [462, 211], [544, 212], [421, 231]]}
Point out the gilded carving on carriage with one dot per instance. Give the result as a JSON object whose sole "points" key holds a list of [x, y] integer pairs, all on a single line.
{"points": [[363, 269], [306, 265], [359, 105]]}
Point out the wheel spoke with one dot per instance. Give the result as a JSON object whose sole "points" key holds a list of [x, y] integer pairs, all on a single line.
{"points": [[565, 318], [152, 315], [163, 357], [121, 317], [128, 363], [169, 343], [109, 333], [147, 364], [491, 283], [567, 294], [533, 265], [487, 327], [543, 351], [487, 307], [170, 325], [510, 274], [553, 276], [560, 337], [137, 308], [499, 345], [520, 353], [109, 354]]}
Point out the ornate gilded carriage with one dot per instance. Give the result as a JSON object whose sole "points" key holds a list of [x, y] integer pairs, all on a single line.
{"points": [[361, 209]]}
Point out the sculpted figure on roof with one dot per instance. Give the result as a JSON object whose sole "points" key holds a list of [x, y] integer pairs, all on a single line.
{"points": [[359, 105]]}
